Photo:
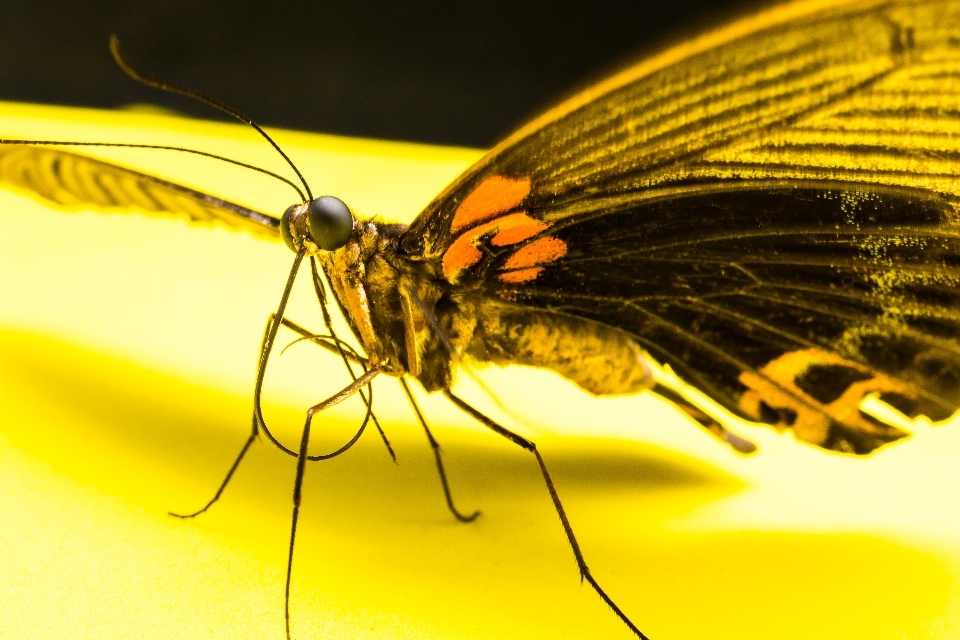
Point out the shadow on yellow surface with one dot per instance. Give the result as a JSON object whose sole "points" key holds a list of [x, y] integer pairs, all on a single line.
{"points": [[101, 449], [127, 348]]}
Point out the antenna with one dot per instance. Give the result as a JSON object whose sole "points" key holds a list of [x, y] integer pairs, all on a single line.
{"points": [[124, 63]]}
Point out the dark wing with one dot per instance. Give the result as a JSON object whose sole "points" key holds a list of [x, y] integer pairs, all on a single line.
{"points": [[771, 210], [786, 304], [76, 181]]}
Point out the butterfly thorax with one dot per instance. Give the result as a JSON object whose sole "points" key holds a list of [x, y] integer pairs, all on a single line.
{"points": [[412, 321], [384, 299]]}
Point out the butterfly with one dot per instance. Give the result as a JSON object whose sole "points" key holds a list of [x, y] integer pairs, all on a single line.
{"points": [[768, 210]]}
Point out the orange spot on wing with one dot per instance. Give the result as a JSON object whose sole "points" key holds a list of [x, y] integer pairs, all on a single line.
{"points": [[484, 208], [509, 229], [515, 228], [775, 385], [461, 255], [494, 195], [523, 275], [537, 252]]}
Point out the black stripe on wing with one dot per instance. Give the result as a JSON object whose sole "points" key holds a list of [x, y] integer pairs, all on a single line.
{"points": [[786, 305], [76, 181]]}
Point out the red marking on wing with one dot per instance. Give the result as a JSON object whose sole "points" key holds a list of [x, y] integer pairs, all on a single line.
{"points": [[510, 229], [521, 276], [494, 195], [461, 255], [515, 228], [537, 252], [483, 211]]}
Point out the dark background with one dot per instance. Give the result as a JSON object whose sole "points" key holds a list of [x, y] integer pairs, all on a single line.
{"points": [[435, 71]]}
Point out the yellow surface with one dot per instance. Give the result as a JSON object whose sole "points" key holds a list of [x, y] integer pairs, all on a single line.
{"points": [[127, 351]]}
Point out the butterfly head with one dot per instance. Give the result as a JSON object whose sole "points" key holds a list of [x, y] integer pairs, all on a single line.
{"points": [[324, 223]]}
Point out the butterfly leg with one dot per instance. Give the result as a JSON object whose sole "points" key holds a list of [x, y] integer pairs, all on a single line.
{"points": [[226, 480], [302, 458], [348, 356], [435, 446], [705, 420], [574, 545], [254, 432], [436, 456]]}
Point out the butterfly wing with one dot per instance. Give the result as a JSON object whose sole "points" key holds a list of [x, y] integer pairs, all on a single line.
{"points": [[75, 181], [770, 210]]}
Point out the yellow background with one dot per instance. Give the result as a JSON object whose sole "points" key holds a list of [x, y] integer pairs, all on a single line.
{"points": [[127, 353]]}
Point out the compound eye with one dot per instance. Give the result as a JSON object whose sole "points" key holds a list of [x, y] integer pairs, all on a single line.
{"points": [[285, 228], [330, 222]]}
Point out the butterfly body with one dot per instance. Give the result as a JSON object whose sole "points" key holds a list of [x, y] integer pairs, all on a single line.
{"points": [[419, 316], [414, 322]]}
